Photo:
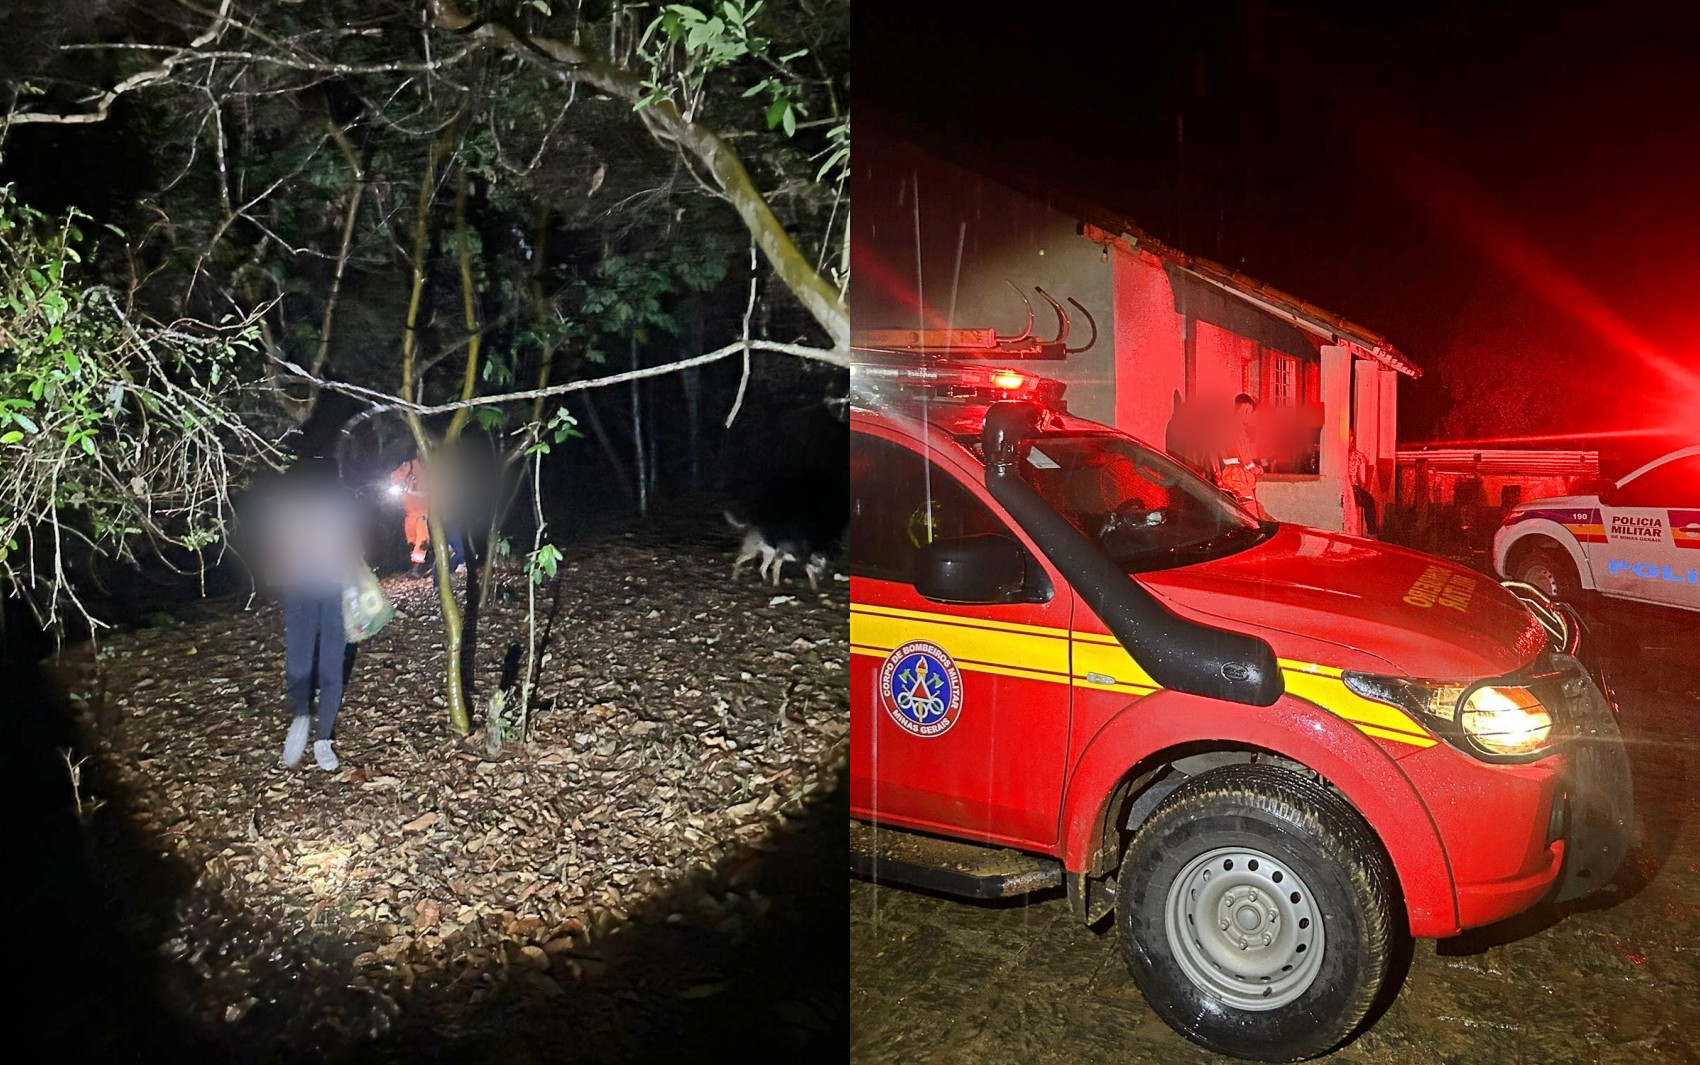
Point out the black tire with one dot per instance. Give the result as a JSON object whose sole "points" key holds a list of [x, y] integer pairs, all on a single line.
{"points": [[1548, 567], [1298, 834]]}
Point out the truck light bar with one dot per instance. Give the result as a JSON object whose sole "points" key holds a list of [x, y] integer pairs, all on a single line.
{"points": [[950, 381]]}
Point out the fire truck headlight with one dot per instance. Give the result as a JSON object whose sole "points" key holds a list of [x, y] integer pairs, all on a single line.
{"points": [[1506, 720], [1420, 699], [1496, 721]]}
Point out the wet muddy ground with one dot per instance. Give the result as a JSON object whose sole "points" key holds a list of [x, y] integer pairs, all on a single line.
{"points": [[1610, 979]]}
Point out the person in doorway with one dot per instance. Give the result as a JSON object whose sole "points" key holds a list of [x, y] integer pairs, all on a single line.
{"points": [[312, 546], [1361, 474], [1238, 460]]}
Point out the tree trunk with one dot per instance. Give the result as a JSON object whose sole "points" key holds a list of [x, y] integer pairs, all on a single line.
{"points": [[322, 355], [691, 381], [514, 459], [640, 464], [451, 611], [600, 431], [514, 469]]}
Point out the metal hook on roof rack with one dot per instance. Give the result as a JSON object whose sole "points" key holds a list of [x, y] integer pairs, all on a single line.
{"points": [[1062, 316], [1028, 332], [1090, 320]]}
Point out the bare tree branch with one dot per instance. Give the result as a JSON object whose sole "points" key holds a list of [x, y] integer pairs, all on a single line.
{"points": [[574, 64], [386, 401], [105, 100]]}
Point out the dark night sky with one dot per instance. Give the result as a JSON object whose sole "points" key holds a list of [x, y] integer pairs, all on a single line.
{"points": [[1511, 194]]}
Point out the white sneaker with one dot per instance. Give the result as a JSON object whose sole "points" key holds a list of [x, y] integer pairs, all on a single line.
{"points": [[323, 755], [296, 744]]}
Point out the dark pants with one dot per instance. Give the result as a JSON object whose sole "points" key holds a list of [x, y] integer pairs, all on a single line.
{"points": [[457, 551], [1366, 504], [311, 621]]}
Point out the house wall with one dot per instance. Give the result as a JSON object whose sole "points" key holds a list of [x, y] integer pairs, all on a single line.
{"points": [[1150, 346], [1387, 455], [1224, 365], [1366, 430], [1376, 428]]}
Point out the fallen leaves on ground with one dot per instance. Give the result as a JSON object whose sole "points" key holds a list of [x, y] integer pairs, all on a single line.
{"points": [[680, 718]]}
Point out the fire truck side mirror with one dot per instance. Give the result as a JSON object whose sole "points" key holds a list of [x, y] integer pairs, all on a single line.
{"points": [[987, 568]]}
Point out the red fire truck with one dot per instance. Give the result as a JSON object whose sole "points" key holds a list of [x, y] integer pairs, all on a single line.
{"points": [[1272, 753]]}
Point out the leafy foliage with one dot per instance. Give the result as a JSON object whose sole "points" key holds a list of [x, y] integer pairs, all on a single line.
{"points": [[114, 428], [686, 46]]}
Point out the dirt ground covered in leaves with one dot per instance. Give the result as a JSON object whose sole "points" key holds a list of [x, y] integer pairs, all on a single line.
{"points": [[1611, 979], [671, 834]]}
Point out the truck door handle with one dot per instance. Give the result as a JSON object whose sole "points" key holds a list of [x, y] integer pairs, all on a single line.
{"points": [[1099, 678]]}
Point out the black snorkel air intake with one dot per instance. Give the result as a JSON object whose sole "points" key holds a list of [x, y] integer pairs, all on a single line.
{"points": [[1179, 654]]}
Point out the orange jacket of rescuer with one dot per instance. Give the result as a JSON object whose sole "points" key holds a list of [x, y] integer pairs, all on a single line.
{"points": [[410, 479]]}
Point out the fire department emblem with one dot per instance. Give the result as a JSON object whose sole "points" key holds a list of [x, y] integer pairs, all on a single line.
{"points": [[921, 688]]}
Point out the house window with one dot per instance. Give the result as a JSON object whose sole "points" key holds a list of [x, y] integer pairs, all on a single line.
{"points": [[1291, 415], [1285, 380]]}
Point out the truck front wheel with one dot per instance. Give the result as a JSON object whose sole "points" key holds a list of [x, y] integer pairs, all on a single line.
{"points": [[1256, 914]]}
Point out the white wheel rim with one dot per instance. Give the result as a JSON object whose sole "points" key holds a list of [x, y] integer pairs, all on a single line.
{"points": [[1244, 928], [1541, 576]]}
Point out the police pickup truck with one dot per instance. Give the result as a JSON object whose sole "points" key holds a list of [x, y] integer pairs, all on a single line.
{"points": [[1638, 540]]}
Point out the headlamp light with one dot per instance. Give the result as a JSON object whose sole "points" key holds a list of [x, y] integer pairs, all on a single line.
{"points": [[1492, 720], [1506, 719]]}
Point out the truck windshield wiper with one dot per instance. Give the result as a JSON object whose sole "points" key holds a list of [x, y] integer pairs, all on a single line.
{"points": [[1229, 536]]}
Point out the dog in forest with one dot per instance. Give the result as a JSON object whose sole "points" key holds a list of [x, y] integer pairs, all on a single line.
{"points": [[777, 543]]}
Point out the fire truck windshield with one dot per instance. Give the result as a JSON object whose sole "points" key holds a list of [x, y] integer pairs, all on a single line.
{"points": [[1142, 508]]}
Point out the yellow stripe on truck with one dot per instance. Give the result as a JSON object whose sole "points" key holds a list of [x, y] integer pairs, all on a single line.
{"points": [[1036, 650], [1033, 652], [1330, 693]]}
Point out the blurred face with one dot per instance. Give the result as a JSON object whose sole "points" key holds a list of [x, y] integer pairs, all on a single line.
{"points": [[1245, 412]]}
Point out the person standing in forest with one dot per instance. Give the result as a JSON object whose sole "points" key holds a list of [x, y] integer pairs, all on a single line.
{"points": [[407, 482], [312, 546]]}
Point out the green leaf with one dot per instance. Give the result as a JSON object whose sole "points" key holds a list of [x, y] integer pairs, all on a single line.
{"points": [[73, 363], [776, 111], [23, 420], [88, 444], [789, 120], [11, 437]]}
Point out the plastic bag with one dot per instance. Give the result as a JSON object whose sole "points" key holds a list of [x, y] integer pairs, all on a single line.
{"points": [[365, 608]]}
